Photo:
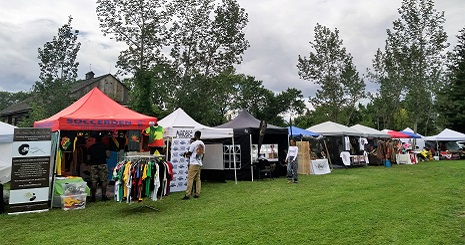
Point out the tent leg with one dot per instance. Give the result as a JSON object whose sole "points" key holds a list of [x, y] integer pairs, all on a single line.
{"points": [[234, 161], [327, 155], [251, 158]]}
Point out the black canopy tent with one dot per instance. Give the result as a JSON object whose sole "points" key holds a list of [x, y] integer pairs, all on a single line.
{"points": [[246, 132]]}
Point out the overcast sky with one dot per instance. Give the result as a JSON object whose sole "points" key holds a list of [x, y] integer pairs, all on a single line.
{"points": [[278, 31]]}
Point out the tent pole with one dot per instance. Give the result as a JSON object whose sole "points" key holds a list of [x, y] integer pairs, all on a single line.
{"points": [[234, 155], [327, 155], [251, 158], [54, 168]]}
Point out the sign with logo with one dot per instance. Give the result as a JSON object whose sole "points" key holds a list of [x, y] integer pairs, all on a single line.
{"points": [[29, 185], [179, 146]]}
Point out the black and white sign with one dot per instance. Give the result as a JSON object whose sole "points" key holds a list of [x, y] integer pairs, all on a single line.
{"points": [[29, 186]]}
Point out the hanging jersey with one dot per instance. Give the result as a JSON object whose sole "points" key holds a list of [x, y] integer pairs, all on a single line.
{"points": [[155, 136]]}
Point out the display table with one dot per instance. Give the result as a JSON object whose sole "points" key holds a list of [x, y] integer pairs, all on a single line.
{"points": [[319, 166], [406, 158], [70, 193], [60, 183], [358, 160]]}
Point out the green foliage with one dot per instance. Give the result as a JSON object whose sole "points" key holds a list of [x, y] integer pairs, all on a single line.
{"points": [[368, 205], [330, 66], [58, 69], [451, 98], [141, 25], [8, 98], [206, 36], [410, 67]]}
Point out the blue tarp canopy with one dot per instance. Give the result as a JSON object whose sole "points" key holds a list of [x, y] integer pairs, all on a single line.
{"points": [[299, 132]]}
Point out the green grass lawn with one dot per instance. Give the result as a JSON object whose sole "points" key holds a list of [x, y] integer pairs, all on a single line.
{"points": [[404, 204]]}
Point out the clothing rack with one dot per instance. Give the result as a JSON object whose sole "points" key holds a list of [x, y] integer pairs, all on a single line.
{"points": [[145, 159], [135, 158]]}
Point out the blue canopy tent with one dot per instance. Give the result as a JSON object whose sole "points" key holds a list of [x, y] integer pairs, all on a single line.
{"points": [[411, 135], [299, 132]]}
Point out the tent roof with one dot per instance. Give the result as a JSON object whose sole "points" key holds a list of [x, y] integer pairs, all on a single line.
{"points": [[246, 121], [329, 128], [179, 119], [370, 132], [447, 135], [395, 134], [301, 132], [96, 111]]}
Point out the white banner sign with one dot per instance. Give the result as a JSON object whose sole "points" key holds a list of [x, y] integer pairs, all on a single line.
{"points": [[180, 145], [319, 166]]}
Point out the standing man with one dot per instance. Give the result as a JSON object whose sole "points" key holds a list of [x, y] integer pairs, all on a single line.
{"points": [[195, 154], [97, 158]]}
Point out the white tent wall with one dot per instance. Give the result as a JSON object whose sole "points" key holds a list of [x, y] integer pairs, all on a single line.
{"points": [[6, 143]]}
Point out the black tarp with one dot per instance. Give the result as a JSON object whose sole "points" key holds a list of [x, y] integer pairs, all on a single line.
{"points": [[244, 126]]}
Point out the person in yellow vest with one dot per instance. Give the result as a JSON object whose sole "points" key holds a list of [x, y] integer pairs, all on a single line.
{"points": [[155, 133]]}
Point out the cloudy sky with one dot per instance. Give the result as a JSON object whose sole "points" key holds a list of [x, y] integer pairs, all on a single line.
{"points": [[278, 31]]}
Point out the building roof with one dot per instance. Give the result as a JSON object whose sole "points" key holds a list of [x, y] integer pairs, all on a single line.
{"points": [[20, 107], [25, 105]]}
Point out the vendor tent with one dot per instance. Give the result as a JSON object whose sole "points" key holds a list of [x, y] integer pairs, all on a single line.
{"points": [[447, 135], [299, 132], [96, 111], [419, 141], [395, 134], [180, 119], [246, 133], [334, 129], [369, 132], [6, 142], [175, 125]]}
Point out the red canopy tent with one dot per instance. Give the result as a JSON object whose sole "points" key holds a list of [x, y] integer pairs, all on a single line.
{"points": [[396, 134], [96, 111]]}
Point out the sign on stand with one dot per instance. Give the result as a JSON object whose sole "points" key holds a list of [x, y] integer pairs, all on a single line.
{"points": [[179, 146], [29, 185]]}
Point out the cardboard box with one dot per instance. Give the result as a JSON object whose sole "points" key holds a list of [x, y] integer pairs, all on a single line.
{"points": [[72, 202]]}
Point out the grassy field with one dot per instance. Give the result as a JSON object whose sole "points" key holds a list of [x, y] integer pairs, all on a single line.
{"points": [[404, 204]]}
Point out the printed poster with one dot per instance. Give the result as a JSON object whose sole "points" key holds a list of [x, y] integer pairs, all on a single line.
{"points": [[180, 145], [30, 185]]}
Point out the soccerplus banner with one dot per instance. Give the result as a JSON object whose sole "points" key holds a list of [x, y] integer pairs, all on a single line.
{"points": [[30, 171]]}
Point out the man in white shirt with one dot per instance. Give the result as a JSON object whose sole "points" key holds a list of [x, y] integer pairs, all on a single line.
{"points": [[195, 154]]}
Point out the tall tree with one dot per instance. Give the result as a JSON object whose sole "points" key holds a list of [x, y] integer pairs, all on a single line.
{"points": [[141, 25], [413, 58], [58, 70], [330, 66], [451, 98]]}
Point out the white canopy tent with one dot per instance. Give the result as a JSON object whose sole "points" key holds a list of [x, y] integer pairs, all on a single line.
{"points": [[179, 119], [447, 135], [329, 128], [6, 143], [370, 132]]}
